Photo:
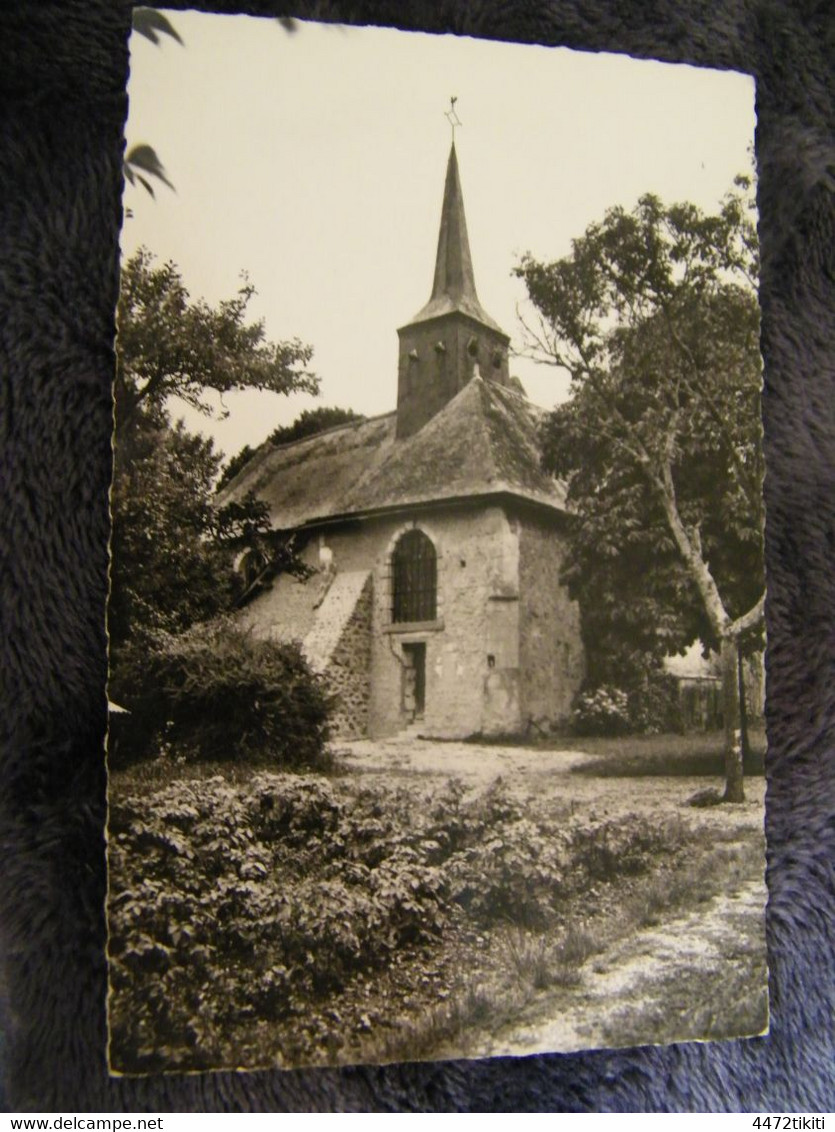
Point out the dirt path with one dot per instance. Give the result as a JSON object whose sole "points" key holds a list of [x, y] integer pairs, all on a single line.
{"points": [[473, 763], [547, 773], [696, 975], [677, 978]]}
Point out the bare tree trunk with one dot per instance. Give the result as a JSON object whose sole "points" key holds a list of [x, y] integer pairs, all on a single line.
{"points": [[734, 789], [729, 632], [743, 708]]}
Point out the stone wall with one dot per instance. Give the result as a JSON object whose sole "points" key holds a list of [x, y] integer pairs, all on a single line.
{"points": [[329, 615], [341, 591], [477, 557], [552, 663], [505, 643], [348, 671]]}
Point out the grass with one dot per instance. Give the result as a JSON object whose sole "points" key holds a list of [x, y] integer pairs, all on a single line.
{"points": [[532, 966], [695, 754], [640, 756], [692, 754], [469, 1011], [721, 869], [150, 774], [540, 963], [731, 1003]]}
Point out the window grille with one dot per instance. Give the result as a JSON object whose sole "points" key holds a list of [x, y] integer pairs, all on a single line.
{"points": [[414, 578]]}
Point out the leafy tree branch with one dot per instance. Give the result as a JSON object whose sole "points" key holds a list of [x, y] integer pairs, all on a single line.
{"points": [[654, 316], [173, 547]]}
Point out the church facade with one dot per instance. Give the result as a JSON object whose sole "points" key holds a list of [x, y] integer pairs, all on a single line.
{"points": [[435, 539]]}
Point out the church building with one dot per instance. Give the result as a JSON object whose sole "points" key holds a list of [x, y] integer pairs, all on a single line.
{"points": [[435, 537]]}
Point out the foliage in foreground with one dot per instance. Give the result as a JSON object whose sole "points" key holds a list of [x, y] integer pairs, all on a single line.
{"points": [[216, 692], [238, 912], [538, 961]]}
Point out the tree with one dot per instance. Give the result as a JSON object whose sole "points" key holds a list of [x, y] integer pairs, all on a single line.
{"points": [[172, 547], [234, 465], [654, 316], [311, 421], [172, 346], [167, 571]]}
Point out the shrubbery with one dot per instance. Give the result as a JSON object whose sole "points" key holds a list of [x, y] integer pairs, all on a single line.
{"points": [[233, 907], [216, 692], [236, 908], [505, 865], [602, 711], [654, 707], [607, 848], [649, 707]]}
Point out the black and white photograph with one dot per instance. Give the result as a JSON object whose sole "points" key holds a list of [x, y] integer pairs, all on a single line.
{"points": [[436, 639]]}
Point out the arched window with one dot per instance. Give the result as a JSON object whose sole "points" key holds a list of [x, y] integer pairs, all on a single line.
{"points": [[414, 578], [250, 565]]}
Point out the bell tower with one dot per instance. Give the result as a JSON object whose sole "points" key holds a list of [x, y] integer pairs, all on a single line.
{"points": [[452, 338]]}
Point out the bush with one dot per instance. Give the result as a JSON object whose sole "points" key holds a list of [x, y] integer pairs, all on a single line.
{"points": [[654, 707], [237, 913], [601, 711], [235, 907], [518, 874], [215, 692], [625, 846], [502, 865]]}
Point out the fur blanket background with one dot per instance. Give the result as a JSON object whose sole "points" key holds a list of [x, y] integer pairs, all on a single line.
{"points": [[63, 67]]}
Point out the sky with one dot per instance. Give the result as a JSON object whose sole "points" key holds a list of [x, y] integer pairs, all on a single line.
{"points": [[314, 161]]}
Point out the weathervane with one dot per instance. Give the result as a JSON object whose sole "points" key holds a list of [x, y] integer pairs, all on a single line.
{"points": [[452, 117]]}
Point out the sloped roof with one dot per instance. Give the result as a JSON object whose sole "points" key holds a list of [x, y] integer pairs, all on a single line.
{"points": [[481, 443], [309, 478]]}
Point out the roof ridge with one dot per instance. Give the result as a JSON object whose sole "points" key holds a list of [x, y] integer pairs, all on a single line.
{"points": [[355, 423], [481, 443], [484, 395]]}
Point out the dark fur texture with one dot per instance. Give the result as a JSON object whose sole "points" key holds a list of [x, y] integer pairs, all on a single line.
{"points": [[63, 68]]}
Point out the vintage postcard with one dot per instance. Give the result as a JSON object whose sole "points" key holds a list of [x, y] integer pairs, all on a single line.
{"points": [[436, 638]]}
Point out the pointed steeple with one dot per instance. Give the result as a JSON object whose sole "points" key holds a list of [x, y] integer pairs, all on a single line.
{"points": [[452, 339], [453, 288], [453, 264]]}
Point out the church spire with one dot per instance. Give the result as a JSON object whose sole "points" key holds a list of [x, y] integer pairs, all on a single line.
{"points": [[453, 264], [452, 339], [453, 287]]}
